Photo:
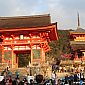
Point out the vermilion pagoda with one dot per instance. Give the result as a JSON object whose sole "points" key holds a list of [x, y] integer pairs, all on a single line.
{"points": [[26, 33], [78, 42]]}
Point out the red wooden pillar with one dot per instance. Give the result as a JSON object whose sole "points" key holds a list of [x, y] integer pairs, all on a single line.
{"points": [[2, 54], [31, 49], [31, 55], [3, 50], [17, 62], [42, 55], [12, 52]]}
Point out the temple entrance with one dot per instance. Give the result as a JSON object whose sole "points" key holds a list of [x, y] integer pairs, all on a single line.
{"points": [[24, 57], [29, 36]]}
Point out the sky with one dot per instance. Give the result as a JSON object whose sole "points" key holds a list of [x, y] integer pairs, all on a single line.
{"points": [[62, 11]]}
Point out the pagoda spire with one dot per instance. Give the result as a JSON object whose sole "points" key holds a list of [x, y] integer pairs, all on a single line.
{"points": [[78, 20]]}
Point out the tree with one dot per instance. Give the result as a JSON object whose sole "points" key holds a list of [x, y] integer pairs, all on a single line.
{"points": [[62, 46]]}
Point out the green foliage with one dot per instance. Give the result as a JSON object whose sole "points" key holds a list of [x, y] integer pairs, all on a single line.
{"points": [[7, 55], [62, 46], [63, 42], [36, 54]]}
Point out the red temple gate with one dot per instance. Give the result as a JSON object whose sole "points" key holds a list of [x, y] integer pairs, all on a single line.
{"points": [[19, 39]]}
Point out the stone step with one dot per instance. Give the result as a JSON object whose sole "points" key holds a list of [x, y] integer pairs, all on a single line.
{"points": [[22, 71]]}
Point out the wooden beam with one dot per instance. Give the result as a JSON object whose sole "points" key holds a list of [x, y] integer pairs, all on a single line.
{"points": [[25, 29], [5, 44]]}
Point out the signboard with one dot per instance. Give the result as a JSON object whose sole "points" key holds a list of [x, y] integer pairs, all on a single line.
{"points": [[1, 78]]}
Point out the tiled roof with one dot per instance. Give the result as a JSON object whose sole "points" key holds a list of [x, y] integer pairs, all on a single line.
{"points": [[24, 21], [79, 30]]}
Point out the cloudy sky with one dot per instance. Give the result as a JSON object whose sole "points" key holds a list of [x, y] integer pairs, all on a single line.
{"points": [[62, 11]]}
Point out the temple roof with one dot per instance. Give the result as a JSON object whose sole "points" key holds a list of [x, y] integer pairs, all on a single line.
{"points": [[24, 21], [78, 31], [28, 24], [78, 46]]}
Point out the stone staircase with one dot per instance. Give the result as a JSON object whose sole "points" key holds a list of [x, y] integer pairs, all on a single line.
{"points": [[22, 71], [2, 66]]}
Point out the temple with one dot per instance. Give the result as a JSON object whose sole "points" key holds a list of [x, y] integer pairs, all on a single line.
{"points": [[23, 34], [77, 41]]}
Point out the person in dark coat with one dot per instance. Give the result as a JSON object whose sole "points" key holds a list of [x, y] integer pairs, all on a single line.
{"points": [[75, 77], [39, 79], [66, 79], [31, 82], [14, 82]]}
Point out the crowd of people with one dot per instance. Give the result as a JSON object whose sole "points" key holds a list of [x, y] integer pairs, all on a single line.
{"points": [[17, 81], [75, 75], [77, 78], [74, 79], [68, 68], [38, 80], [10, 80]]}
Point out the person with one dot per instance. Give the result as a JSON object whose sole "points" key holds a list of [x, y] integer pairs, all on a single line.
{"points": [[31, 82], [7, 82], [75, 77], [59, 82], [66, 79], [71, 79], [25, 82], [82, 76], [53, 77], [3, 81], [39, 79], [14, 82], [17, 81], [9, 74], [7, 69], [62, 81], [17, 74], [10, 80]]}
